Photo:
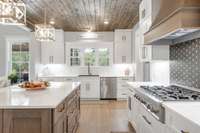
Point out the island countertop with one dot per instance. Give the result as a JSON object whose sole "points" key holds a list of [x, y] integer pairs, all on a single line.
{"points": [[14, 97]]}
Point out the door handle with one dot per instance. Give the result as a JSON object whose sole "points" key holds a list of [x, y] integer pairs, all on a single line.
{"points": [[147, 121], [184, 131]]}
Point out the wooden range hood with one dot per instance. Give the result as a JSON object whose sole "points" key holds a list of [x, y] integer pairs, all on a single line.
{"points": [[173, 19]]}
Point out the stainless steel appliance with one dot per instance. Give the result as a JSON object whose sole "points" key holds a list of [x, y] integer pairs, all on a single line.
{"points": [[108, 87], [152, 98]]}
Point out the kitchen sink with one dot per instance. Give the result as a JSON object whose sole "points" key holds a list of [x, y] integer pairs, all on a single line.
{"points": [[90, 75]]}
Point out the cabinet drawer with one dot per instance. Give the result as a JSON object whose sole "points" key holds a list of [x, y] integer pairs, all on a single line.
{"points": [[153, 123]]}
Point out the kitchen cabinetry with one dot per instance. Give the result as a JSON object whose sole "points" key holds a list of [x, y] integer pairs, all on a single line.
{"points": [[176, 123], [53, 52], [1, 121], [122, 47], [122, 87], [145, 10], [62, 119], [154, 52], [150, 53], [134, 118], [21, 121], [148, 123], [90, 87], [61, 125]]}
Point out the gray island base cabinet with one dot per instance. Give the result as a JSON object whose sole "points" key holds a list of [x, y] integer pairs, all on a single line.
{"points": [[62, 119]]}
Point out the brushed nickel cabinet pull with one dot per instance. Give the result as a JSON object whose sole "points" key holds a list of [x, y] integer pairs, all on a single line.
{"points": [[184, 131], [147, 121]]}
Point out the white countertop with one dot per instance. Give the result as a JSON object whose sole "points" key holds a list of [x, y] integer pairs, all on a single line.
{"points": [[138, 84], [66, 76], [188, 110], [14, 97], [58, 76]]}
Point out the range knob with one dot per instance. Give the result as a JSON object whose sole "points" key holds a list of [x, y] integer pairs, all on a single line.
{"points": [[149, 106]]}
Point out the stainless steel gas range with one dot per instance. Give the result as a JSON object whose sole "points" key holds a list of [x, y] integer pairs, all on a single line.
{"points": [[152, 98]]}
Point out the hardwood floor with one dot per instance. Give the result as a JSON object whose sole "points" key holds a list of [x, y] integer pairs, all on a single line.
{"points": [[104, 117]]}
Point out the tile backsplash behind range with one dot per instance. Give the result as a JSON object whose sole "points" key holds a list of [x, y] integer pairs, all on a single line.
{"points": [[185, 63]]}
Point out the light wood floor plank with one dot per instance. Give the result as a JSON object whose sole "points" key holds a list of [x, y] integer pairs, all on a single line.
{"points": [[104, 117]]}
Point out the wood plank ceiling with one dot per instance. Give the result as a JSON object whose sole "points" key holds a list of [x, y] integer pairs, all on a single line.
{"points": [[81, 15]]}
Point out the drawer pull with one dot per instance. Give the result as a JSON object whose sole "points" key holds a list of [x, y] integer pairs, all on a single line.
{"points": [[147, 121], [184, 131]]}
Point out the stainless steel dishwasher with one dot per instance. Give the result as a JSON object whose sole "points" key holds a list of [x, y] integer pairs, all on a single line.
{"points": [[108, 87]]}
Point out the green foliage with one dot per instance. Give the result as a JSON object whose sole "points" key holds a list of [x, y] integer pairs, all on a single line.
{"points": [[13, 77], [89, 57], [103, 57]]}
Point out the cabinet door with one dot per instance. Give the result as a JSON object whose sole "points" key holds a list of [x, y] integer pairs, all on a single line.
{"points": [[142, 11], [61, 125], [90, 88], [123, 47], [46, 53], [1, 121], [27, 121], [146, 127], [53, 52]]}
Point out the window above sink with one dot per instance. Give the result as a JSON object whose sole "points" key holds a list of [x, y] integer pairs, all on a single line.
{"points": [[91, 56]]}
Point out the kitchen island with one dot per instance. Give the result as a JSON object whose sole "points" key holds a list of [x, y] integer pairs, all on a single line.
{"points": [[53, 110]]}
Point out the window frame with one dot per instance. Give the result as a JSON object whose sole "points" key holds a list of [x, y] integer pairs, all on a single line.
{"points": [[95, 45], [17, 40]]}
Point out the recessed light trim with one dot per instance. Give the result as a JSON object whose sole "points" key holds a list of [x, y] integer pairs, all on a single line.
{"points": [[52, 22], [106, 22]]}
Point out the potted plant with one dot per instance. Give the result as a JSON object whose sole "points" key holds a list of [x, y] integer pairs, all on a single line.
{"points": [[13, 77]]}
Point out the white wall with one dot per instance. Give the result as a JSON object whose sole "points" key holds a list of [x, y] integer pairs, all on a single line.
{"points": [[65, 70], [102, 39], [100, 36], [160, 72], [2, 56], [9, 34]]}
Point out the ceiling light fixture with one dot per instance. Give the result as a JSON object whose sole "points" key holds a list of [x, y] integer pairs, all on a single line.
{"points": [[44, 32], [12, 12]]}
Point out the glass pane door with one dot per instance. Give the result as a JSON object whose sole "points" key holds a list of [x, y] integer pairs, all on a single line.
{"points": [[20, 61]]}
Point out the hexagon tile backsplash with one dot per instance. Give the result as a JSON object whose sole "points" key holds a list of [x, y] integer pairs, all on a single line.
{"points": [[185, 63]]}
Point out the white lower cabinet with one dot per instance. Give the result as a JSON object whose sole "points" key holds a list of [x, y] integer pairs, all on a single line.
{"points": [[122, 87], [143, 121], [148, 123], [90, 88], [176, 123], [135, 111]]}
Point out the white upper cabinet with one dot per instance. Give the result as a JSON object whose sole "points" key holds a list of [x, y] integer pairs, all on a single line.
{"points": [[145, 10], [122, 47], [53, 52], [149, 53]]}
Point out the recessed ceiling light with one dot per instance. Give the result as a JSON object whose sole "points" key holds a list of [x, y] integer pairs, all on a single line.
{"points": [[106, 22], [89, 30], [52, 22]]}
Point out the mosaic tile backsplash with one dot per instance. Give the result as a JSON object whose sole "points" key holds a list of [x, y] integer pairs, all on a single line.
{"points": [[185, 63]]}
